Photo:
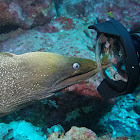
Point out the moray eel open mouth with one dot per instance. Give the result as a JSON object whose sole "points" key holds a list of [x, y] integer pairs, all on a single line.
{"points": [[68, 81], [34, 76]]}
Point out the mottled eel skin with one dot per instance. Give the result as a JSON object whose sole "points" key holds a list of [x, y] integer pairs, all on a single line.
{"points": [[34, 76]]}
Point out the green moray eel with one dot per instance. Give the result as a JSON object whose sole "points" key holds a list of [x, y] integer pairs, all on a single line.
{"points": [[34, 76]]}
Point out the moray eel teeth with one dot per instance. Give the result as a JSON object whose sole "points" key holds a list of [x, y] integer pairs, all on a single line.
{"points": [[34, 76]]}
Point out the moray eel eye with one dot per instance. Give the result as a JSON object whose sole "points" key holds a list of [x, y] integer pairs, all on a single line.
{"points": [[76, 66]]}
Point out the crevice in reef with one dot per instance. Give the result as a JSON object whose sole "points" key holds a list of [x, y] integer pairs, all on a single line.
{"points": [[8, 28], [57, 4]]}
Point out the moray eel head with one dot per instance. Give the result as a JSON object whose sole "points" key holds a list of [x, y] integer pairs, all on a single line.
{"points": [[73, 70], [34, 76], [55, 72]]}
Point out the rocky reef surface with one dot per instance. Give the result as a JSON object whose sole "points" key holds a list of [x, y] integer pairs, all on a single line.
{"points": [[77, 112]]}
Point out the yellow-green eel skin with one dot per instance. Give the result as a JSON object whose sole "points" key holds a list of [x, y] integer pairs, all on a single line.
{"points": [[34, 76]]}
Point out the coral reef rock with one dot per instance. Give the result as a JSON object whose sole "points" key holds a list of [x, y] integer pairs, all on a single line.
{"points": [[75, 133], [25, 14], [20, 130]]}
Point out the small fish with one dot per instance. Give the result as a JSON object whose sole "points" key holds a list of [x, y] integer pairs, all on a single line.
{"points": [[34, 76], [110, 14]]}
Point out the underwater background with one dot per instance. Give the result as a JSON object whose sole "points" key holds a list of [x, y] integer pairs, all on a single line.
{"points": [[77, 112]]}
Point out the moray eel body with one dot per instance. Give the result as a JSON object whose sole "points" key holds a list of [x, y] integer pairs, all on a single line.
{"points": [[34, 76]]}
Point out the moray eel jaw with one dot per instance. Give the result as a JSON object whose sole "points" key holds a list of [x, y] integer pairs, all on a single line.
{"points": [[68, 81]]}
